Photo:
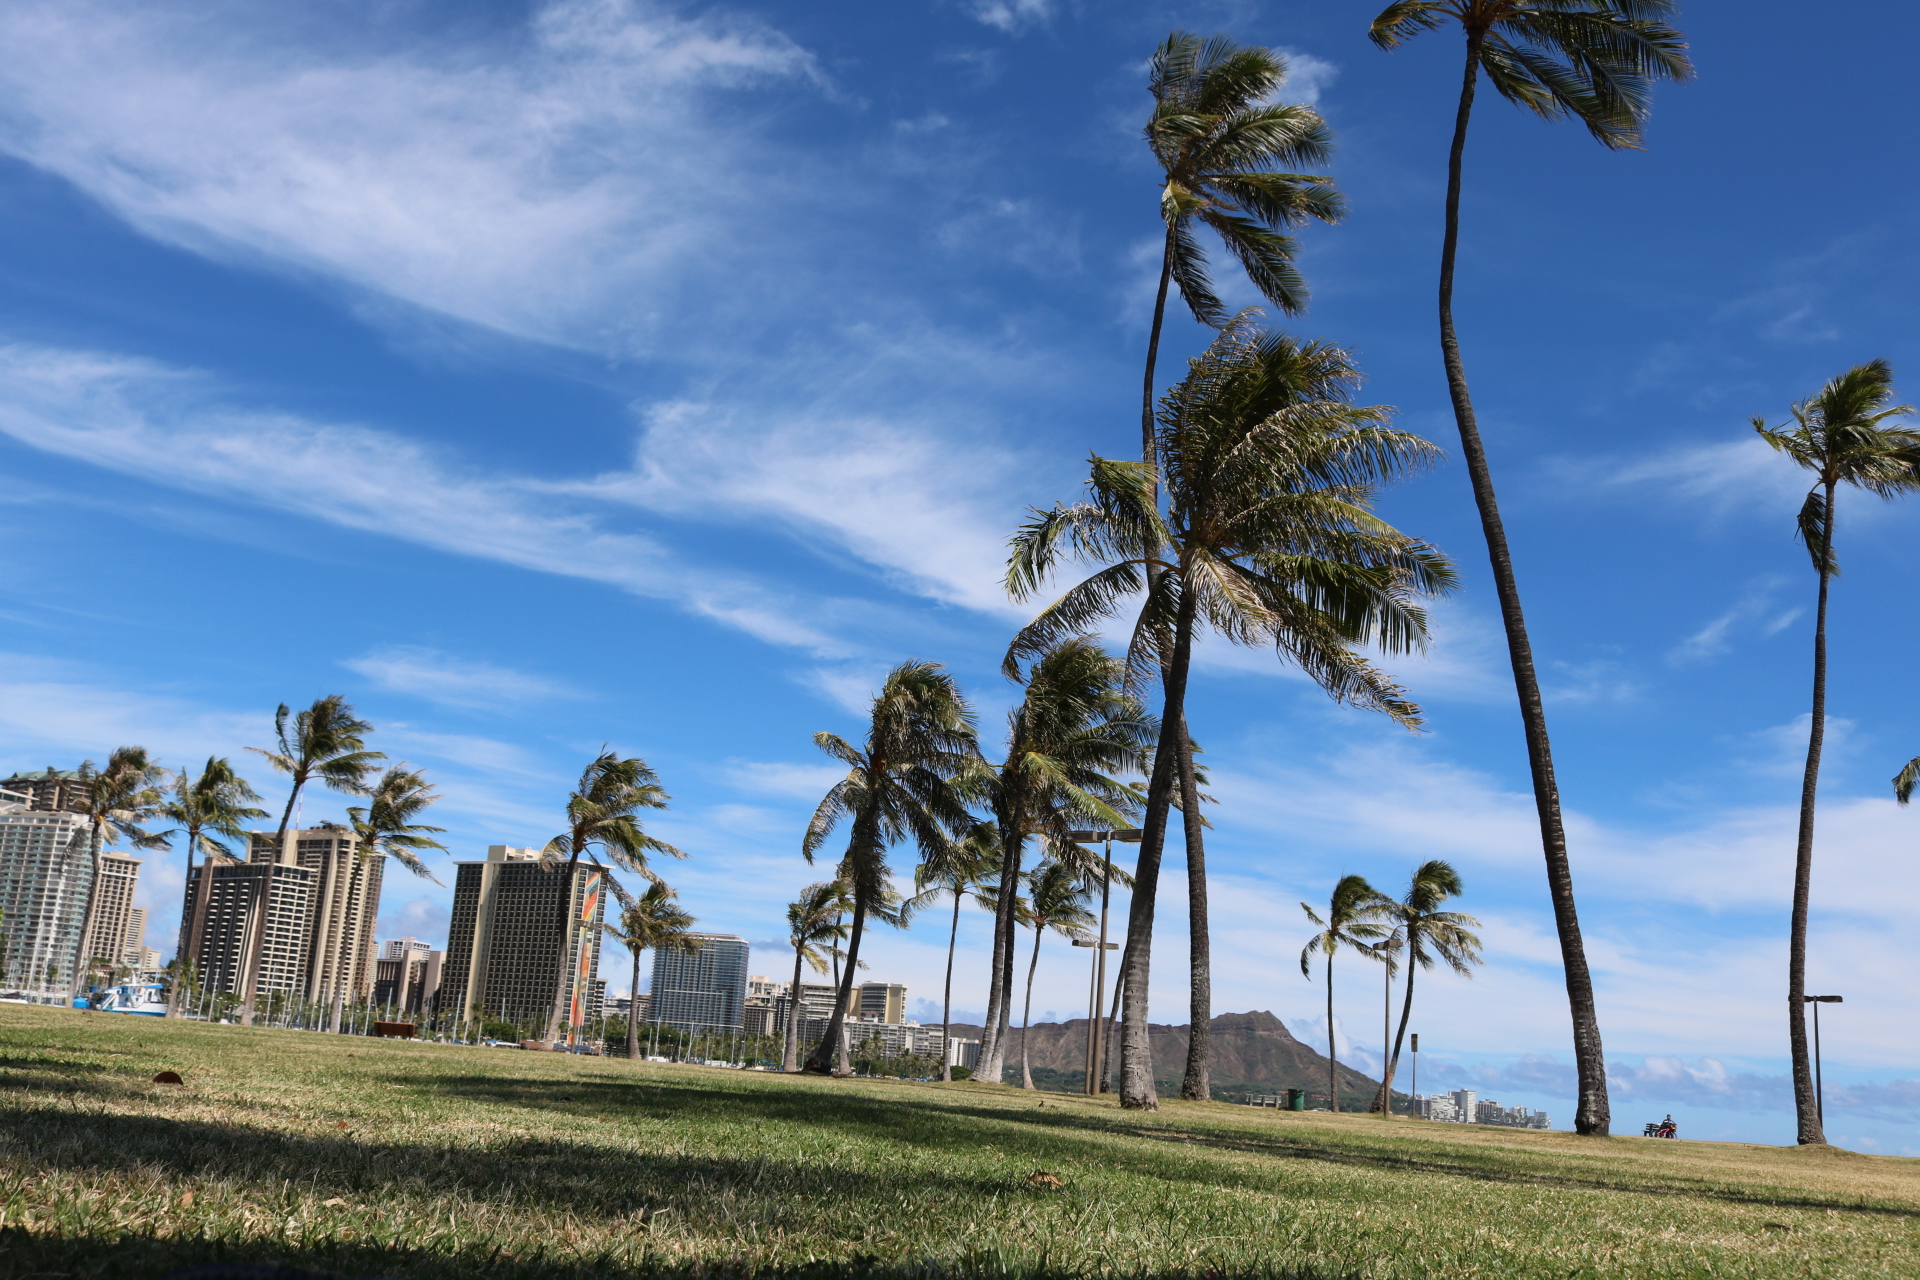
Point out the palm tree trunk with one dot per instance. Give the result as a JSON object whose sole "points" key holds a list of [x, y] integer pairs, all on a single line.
{"points": [[1406, 1012], [1805, 1096], [180, 949], [1197, 1086], [1147, 450], [83, 963], [1136, 1047], [993, 1046], [946, 997], [558, 1014], [1333, 1063], [1026, 1014], [832, 1043], [633, 1009], [790, 1056], [1592, 1114]]}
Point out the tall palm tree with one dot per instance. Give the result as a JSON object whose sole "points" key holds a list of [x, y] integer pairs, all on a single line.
{"points": [[813, 923], [1352, 922], [1841, 434], [1057, 896], [602, 813], [116, 801], [1594, 60], [1218, 136], [1269, 538], [957, 870], [656, 920], [1430, 934], [1075, 728], [214, 804], [328, 742], [385, 827], [911, 781]]}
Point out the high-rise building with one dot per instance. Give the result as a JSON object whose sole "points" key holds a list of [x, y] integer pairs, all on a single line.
{"points": [[45, 873], [398, 948], [1463, 1105], [759, 988], [47, 791], [506, 950], [702, 990], [407, 977], [881, 1002], [346, 907], [114, 927], [136, 938], [251, 928]]}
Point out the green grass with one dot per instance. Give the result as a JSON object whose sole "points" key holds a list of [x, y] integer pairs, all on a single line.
{"points": [[377, 1158]]}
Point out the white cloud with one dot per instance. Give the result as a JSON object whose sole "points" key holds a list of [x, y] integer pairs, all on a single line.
{"points": [[1307, 77], [807, 782], [451, 681], [1755, 612], [1011, 15], [566, 183], [147, 420]]}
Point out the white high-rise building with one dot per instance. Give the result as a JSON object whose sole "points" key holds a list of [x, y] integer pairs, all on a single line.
{"points": [[404, 949], [1464, 1104], [45, 875]]}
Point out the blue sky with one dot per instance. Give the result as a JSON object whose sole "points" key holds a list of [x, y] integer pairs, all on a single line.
{"points": [[548, 375]]}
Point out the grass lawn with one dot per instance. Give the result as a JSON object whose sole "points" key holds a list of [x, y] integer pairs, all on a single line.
{"points": [[382, 1158]]}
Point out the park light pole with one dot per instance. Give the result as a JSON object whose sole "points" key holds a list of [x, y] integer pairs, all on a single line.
{"points": [[1819, 1089], [1414, 1102], [1096, 1039]]}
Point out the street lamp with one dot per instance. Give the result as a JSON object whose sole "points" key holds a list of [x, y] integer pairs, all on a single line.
{"points": [[1096, 1001], [1819, 1089]]}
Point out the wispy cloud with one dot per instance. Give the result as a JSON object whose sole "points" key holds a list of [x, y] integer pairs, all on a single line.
{"points": [[1758, 612], [1010, 15], [535, 184], [145, 419], [451, 681]]}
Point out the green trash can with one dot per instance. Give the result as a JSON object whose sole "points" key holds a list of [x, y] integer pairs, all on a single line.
{"points": [[1296, 1099]]}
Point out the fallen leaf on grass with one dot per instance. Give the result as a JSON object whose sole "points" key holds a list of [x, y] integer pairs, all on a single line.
{"points": [[1050, 1182], [168, 1077], [186, 1199], [333, 1203]]}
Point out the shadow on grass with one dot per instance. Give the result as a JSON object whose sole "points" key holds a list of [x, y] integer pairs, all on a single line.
{"points": [[27, 1256], [951, 1124]]}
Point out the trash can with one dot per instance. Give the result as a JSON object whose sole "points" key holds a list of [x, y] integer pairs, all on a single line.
{"points": [[1296, 1099]]}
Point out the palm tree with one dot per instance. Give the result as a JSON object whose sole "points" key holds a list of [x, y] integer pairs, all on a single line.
{"points": [[1906, 780], [1840, 433], [1056, 900], [386, 828], [601, 814], [1429, 934], [326, 741], [1594, 60], [956, 869], [1074, 729], [656, 920], [1350, 923], [911, 782], [813, 921], [116, 801], [214, 804], [1217, 132], [1269, 538]]}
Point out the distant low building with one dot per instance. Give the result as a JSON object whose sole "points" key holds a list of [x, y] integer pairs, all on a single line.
{"points": [[1491, 1112], [406, 977]]}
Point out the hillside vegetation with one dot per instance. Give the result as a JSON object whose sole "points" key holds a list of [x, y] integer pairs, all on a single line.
{"points": [[377, 1158]]}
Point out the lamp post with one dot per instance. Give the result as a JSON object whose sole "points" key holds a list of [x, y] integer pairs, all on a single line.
{"points": [[1819, 1089], [1096, 1041], [1414, 1101]]}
